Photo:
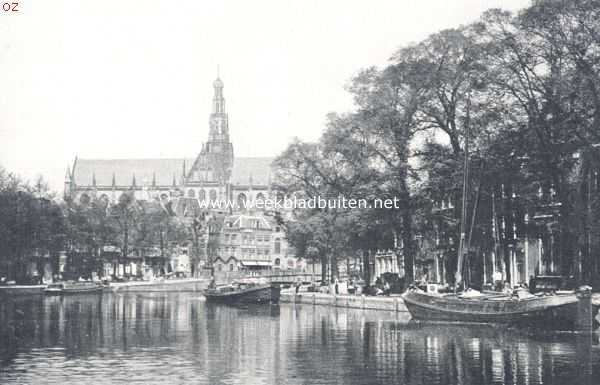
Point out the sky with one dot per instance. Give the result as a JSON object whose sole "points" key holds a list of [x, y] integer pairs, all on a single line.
{"points": [[133, 79]]}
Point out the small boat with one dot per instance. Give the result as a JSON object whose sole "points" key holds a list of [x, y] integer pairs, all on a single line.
{"points": [[21, 290], [244, 293], [557, 311], [73, 287]]}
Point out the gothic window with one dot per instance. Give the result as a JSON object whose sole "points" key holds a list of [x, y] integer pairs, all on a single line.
{"points": [[213, 195], [125, 199], [104, 199], [84, 199], [191, 193], [277, 246], [201, 195]]}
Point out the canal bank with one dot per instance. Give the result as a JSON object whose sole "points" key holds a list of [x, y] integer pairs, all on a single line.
{"points": [[392, 303], [184, 285]]}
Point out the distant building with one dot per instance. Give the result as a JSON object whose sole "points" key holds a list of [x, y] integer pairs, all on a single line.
{"points": [[253, 242]]}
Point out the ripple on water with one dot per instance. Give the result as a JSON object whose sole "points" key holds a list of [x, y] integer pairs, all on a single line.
{"points": [[177, 339]]}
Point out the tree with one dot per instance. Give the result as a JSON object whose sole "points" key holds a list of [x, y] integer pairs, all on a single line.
{"points": [[31, 225]]}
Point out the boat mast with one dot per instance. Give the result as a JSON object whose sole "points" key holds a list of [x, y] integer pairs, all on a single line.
{"points": [[463, 218]]}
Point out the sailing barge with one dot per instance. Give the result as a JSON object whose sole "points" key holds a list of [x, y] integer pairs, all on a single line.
{"points": [[565, 311], [244, 293]]}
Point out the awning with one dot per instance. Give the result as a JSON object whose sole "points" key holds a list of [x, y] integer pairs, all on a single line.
{"points": [[256, 263]]}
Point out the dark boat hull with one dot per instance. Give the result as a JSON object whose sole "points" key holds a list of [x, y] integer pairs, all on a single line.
{"points": [[260, 294], [558, 312]]}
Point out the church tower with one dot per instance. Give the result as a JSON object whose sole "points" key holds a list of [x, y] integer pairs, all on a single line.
{"points": [[215, 161]]}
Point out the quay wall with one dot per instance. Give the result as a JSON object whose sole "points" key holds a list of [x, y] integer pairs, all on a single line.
{"points": [[393, 304]]}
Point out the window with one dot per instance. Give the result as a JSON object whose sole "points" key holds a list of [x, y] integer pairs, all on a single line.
{"points": [[277, 246], [219, 267], [201, 195], [191, 193], [277, 261], [212, 195], [231, 267]]}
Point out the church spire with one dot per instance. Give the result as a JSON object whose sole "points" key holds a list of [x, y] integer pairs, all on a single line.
{"points": [[218, 99], [68, 183]]}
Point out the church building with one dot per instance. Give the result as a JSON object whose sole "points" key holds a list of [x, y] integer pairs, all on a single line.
{"points": [[213, 174]]}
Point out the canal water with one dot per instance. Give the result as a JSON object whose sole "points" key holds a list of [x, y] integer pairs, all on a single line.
{"points": [[180, 339]]}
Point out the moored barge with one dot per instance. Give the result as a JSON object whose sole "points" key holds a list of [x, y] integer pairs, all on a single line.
{"points": [[563, 311], [244, 293]]}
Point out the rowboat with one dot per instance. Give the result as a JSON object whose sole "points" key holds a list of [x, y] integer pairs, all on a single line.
{"points": [[244, 293], [563, 311], [21, 290], [73, 287]]}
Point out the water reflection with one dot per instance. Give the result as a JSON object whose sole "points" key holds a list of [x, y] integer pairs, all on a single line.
{"points": [[179, 338]]}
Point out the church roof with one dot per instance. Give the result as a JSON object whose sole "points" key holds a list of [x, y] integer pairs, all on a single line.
{"points": [[257, 168], [161, 170]]}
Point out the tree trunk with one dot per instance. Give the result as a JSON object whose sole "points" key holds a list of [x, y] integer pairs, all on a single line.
{"points": [[334, 267], [366, 267], [125, 245], [323, 269], [408, 250]]}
